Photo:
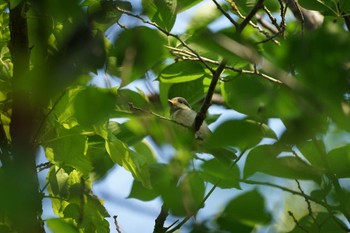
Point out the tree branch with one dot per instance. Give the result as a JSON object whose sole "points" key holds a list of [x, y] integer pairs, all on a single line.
{"points": [[248, 18], [226, 14], [201, 114], [160, 220]]}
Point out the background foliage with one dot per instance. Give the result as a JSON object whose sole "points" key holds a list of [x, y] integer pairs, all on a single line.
{"points": [[267, 60]]}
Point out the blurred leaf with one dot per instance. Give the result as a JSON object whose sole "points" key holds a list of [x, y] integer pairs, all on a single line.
{"points": [[285, 166], [339, 161], [320, 5], [58, 225], [203, 16], [94, 105], [244, 212], [214, 170], [182, 71], [324, 224], [105, 13], [137, 50], [139, 192], [192, 91], [183, 5], [162, 12], [239, 133]]}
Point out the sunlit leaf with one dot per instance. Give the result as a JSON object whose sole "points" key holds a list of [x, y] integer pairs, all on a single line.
{"points": [[58, 225], [161, 12], [68, 149], [183, 71], [135, 163]]}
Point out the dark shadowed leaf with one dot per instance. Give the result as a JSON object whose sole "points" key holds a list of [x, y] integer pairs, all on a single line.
{"points": [[244, 212], [240, 133], [222, 174], [265, 159], [137, 50], [324, 224]]}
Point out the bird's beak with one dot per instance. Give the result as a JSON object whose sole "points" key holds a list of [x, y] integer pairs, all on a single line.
{"points": [[172, 102]]}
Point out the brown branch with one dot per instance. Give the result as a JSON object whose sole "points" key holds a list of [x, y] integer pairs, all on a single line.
{"points": [[201, 114], [117, 228], [160, 220], [248, 18], [226, 14], [297, 223]]}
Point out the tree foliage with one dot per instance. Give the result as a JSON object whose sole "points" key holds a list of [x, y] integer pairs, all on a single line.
{"points": [[286, 60]]}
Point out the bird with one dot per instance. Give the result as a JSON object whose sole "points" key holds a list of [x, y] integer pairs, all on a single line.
{"points": [[182, 113]]}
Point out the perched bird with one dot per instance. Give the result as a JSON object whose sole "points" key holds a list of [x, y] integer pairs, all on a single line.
{"points": [[181, 112]]}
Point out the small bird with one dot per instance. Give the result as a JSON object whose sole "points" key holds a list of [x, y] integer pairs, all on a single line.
{"points": [[181, 112]]}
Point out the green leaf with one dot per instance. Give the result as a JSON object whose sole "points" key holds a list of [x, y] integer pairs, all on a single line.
{"points": [[99, 158], [183, 71], [68, 149], [104, 13], [138, 50], [135, 163], [265, 159], [162, 12], [324, 224], [318, 5], [339, 161], [183, 5], [192, 91], [139, 192], [214, 170], [239, 133], [58, 225], [245, 211], [312, 151], [94, 105]]}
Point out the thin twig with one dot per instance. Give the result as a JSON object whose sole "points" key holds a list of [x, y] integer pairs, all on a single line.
{"points": [[307, 202], [178, 226], [273, 19], [296, 222], [201, 114], [329, 208], [43, 166], [166, 33], [226, 14], [116, 224], [43, 121], [187, 55]]}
